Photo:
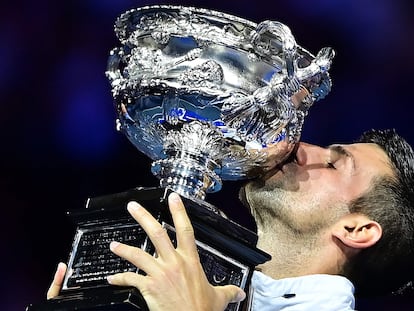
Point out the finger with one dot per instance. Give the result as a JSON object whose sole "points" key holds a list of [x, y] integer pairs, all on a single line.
{"points": [[127, 279], [232, 293], [57, 282], [157, 234], [183, 227], [139, 258]]}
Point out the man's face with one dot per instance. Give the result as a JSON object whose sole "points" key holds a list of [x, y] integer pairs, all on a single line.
{"points": [[312, 191]]}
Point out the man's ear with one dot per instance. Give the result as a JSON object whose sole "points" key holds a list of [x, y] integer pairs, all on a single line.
{"points": [[357, 231]]}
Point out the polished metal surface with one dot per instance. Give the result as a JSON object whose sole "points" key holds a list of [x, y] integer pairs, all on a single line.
{"points": [[206, 95]]}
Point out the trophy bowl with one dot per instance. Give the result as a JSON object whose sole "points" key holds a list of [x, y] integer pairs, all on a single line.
{"points": [[207, 95]]}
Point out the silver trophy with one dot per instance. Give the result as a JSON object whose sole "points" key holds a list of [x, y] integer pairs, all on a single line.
{"points": [[205, 94], [208, 97]]}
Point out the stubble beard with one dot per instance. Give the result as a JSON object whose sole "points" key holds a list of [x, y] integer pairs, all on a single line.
{"points": [[278, 233], [281, 231], [270, 201]]}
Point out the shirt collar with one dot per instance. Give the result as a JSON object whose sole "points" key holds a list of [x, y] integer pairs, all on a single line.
{"points": [[307, 291]]}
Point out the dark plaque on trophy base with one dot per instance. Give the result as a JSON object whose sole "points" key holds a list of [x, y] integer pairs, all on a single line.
{"points": [[208, 97], [227, 250]]}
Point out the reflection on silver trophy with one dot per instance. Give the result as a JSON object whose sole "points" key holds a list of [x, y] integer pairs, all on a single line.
{"points": [[208, 97], [204, 94]]}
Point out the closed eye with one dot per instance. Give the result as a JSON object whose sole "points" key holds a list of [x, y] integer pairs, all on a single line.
{"points": [[337, 156], [330, 165]]}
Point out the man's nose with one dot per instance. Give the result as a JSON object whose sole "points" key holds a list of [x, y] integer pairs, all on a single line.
{"points": [[308, 154]]}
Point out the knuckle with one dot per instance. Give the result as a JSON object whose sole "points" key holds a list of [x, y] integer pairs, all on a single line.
{"points": [[159, 233], [187, 230], [150, 287]]}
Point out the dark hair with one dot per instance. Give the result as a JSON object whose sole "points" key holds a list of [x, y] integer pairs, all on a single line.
{"points": [[387, 266]]}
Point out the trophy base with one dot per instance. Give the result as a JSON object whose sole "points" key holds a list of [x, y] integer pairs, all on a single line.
{"points": [[227, 250], [93, 299]]}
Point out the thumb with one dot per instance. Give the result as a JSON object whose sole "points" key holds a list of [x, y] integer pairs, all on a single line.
{"points": [[233, 293], [56, 285]]}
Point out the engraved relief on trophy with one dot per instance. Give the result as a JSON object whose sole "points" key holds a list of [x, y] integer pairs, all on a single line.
{"points": [[210, 96]]}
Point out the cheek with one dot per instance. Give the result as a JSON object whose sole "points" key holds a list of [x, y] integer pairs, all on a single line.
{"points": [[318, 210], [315, 176], [312, 180], [307, 214], [323, 187]]}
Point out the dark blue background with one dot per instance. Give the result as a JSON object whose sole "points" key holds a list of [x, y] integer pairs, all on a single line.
{"points": [[58, 139]]}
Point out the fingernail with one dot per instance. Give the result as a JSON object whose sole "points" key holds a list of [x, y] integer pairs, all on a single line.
{"points": [[174, 197], [133, 206], [110, 279], [113, 245], [241, 295]]}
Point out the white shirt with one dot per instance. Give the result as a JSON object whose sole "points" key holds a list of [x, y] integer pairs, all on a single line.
{"points": [[311, 292]]}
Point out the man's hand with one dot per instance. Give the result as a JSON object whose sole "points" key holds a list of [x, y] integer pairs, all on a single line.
{"points": [[56, 285], [175, 279]]}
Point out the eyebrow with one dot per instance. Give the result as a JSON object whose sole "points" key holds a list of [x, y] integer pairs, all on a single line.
{"points": [[343, 152]]}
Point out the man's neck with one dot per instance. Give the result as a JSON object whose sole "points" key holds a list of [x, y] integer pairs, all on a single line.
{"points": [[294, 255]]}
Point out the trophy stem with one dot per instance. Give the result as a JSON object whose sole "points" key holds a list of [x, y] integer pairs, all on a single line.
{"points": [[193, 160], [186, 176]]}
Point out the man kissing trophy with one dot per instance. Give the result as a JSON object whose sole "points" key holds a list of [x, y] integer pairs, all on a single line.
{"points": [[208, 97]]}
